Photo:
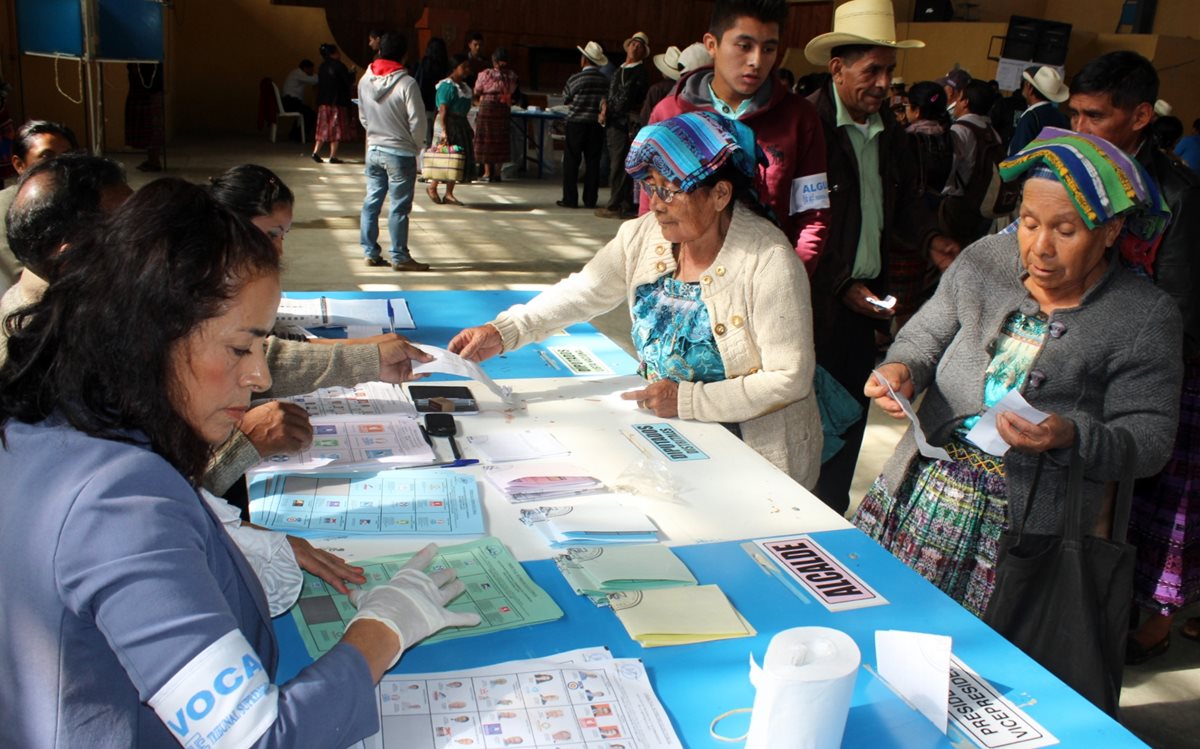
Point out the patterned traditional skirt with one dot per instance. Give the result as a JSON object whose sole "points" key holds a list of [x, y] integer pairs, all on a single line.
{"points": [[492, 133], [336, 123], [1165, 521], [944, 522], [145, 123]]}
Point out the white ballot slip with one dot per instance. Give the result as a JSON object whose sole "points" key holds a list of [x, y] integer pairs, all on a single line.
{"points": [[887, 302], [985, 435], [917, 666], [450, 363], [527, 444], [926, 449]]}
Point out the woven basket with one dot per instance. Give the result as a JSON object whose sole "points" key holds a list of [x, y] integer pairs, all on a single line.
{"points": [[443, 166]]}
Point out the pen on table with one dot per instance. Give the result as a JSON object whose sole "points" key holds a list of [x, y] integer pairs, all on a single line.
{"points": [[460, 463], [391, 316], [553, 364]]}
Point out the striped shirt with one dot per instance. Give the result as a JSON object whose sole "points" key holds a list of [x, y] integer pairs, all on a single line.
{"points": [[584, 92]]}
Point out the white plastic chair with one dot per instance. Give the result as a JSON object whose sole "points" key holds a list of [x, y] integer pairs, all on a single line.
{"points": [[280, 114]]}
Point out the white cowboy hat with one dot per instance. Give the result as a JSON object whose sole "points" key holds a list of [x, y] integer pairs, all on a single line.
{"points": [[871, 22], [668, 63], [1163, 108], [1049, 84], [593, 52], [638, 37], [695, 55]]}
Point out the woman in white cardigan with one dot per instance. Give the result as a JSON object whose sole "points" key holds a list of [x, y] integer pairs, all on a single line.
{"points": [[722, 319]]}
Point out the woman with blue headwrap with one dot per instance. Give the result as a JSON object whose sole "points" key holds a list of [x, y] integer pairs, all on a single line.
{"points": [[722, 319], [1057, 311]]}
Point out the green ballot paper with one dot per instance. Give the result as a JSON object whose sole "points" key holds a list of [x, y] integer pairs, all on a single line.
{"points": [[596, 571], [497, 588]]}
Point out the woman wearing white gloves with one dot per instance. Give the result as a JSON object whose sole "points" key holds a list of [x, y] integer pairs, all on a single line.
{"points": [[129, 616]]}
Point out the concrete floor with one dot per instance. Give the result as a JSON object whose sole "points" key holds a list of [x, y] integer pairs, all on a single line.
{"points": [[512, 236]]}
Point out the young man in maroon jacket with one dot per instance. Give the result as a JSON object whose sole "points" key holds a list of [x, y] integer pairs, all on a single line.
{"points": [[743, 41]]}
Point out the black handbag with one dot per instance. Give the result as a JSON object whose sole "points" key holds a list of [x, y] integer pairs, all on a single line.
{"points": [[1065, 599]]}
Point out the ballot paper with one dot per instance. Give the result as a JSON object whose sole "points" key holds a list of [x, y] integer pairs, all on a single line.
{"points": [[450, 363], [985, 435], [916, 665], [366, 398], [596, 571], [679, 616], [580, 698], [495, 584], [427, 502], [926, 449], [543, 479], [526, 444], [582, 525], [356, 441]]}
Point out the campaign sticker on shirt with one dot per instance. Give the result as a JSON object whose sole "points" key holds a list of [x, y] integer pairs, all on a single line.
{"points": [[221, 698], [810, 193]]}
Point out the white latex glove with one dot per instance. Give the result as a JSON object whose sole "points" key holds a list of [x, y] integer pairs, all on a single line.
{"points": [[413, 604]]}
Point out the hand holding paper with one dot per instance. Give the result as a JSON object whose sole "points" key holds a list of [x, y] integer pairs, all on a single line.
{"points": [[448, 362], [896, 378], [986, 433], [926, 449]]}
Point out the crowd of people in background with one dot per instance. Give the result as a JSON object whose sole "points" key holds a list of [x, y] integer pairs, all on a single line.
{"points": [[1042, 241]]}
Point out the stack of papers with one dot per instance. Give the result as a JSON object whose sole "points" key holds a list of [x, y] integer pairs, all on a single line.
{"points": [[679, 616], [364, 317], [596, 571], [581, 525], [526, 482], [574, 699]]}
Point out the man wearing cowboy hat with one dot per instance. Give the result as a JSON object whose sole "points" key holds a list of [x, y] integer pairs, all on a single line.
{"points": [[584, 92], [875, 210], [739, 82], [1044, 90], [671, 68], [619, 115]]}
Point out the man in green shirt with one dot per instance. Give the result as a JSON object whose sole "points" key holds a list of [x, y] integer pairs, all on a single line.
{"points": [[878, 218]]}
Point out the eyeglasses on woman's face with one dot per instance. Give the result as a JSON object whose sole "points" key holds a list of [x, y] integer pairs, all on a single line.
{"points": [[665, 194]]}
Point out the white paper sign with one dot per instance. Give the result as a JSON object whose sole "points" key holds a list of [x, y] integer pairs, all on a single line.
{"points": [[810, 193], [917, 665], [988, 717], [926, 449]]}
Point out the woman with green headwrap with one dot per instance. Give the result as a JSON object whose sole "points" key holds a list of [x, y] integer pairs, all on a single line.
{"points": [[719, 302], [1055, 310]]}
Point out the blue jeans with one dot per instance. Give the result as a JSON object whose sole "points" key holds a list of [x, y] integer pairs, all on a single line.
{"points": [[395, 176]]}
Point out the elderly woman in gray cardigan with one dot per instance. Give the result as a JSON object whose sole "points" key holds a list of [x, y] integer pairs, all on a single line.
{"points": [[1054, 311], [722, 320]]}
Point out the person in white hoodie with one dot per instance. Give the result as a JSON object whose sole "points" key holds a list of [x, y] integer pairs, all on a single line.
{"points": [[393, 114]]}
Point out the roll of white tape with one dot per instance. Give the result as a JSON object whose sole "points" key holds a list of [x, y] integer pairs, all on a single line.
{"points": [[803, 690]]}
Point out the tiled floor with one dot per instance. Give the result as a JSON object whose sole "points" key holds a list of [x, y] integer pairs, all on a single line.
{"points": [[511, 235]]}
